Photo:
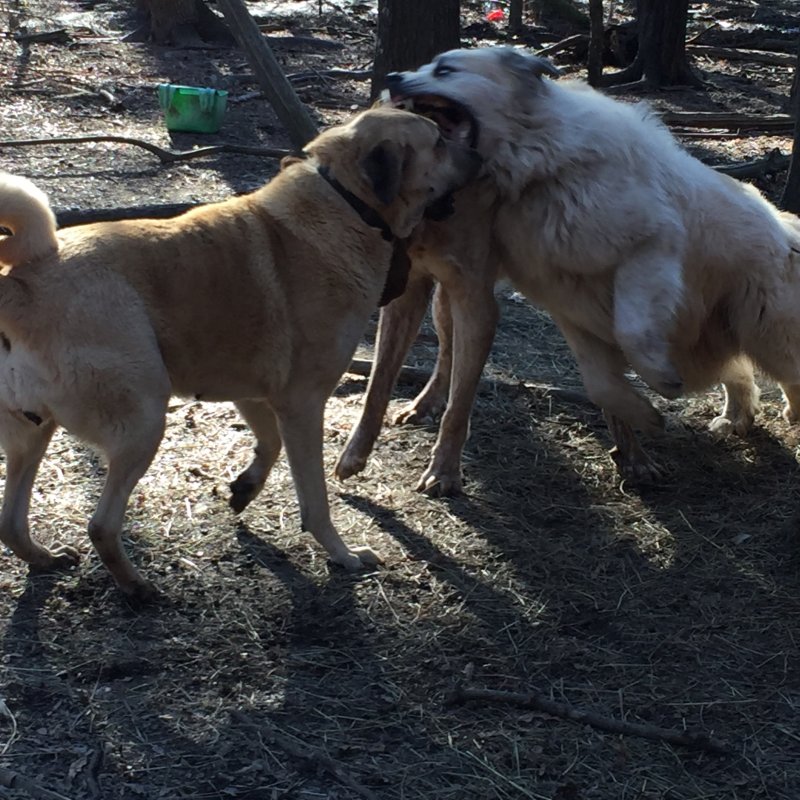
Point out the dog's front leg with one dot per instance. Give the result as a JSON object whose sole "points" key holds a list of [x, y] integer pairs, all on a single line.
{"points": [[264, 424], [602, 369], [301, 427], [474, 316], [398, 325], [648, 291]]}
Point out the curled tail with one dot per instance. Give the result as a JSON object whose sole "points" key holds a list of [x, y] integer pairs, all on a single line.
{"points": [[24, 210]]}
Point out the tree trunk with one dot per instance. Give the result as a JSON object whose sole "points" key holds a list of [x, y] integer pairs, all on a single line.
{"points": [[595, 57], [411, 33], [515, 16], [184, 22], [794, 92], [790, 199], [661, 58]]}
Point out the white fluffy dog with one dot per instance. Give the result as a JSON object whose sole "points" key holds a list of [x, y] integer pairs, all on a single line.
{"points": [[643, 255]]}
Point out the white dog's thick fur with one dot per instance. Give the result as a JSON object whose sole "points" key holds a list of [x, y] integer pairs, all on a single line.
{"points": [[642, 254]]}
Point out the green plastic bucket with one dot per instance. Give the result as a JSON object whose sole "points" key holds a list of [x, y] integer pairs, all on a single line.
{"points": [[191, 108]]}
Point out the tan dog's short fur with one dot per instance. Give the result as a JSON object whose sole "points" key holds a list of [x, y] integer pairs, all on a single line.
{"points": [[643, 255], [260, 300]]}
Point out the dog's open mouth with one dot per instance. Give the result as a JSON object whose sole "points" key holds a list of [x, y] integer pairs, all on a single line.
{"points": [[455, 121]]}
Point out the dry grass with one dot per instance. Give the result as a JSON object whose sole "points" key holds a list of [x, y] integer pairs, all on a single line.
{"points": [[267, 674]]}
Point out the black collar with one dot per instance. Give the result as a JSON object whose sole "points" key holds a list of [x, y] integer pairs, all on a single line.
{"points": [[368, 214]]}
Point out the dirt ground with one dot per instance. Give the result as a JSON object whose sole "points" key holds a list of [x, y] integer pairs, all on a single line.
{"points": [[265, 673]]}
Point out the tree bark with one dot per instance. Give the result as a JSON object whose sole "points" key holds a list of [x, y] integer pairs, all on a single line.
{"points": [[661, 58], [790, 200], [794, 92], [183, 22], [411, 33], [286, 104], [515, 16], [595, 57]]}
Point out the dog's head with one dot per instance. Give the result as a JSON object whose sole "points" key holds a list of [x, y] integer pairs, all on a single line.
{"points": [[477, 97], [398, 163]]}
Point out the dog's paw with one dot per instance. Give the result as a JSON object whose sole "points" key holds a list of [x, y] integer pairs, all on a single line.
{"points": [[723, 426], [350, 463], [356, 558], [790, 414], [418, 413], [440, 483], [141, 593], [59, 558], [639, 471], [243, 492]]}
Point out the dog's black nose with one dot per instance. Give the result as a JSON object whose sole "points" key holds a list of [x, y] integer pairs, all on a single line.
{"points": [[393, 79]]}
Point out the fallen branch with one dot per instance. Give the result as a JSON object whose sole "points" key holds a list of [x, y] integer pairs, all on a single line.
{"points": [[775, 161], [564, 44], [164, 156], [318, 758], [294, 116], [724, 119], [77, 216], [19, 783], [59, 36], [739, 54], [303, 43], [539, 702], [334, 72], [415, 377]]}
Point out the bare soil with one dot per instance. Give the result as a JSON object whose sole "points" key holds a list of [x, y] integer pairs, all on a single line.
{"points": [[265, 673]]}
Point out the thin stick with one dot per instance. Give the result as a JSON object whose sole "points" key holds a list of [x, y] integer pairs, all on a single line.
{"points": [[164, 156], [312, 754], [19, 783], [415, 376], [539, 702]]}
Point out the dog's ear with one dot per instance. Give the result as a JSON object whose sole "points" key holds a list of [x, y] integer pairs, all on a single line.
{"points": [[383, 168], [525, 66]]}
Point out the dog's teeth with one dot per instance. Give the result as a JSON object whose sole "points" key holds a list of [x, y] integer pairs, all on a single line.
{"points": [[386, 97]]}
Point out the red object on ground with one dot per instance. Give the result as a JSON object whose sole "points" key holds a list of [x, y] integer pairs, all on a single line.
{"points": [[496, 16]]}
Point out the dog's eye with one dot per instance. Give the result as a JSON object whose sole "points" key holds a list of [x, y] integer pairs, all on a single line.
{"points": [[442, 69]]}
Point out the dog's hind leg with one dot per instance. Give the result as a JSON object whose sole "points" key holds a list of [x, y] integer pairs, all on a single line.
{"points": [[648, 291], [24, 443], [398, 325], [602, 368], [264, 424], [791, 394], [301, 427], [474, 317], [741, 399], [129, 446], [430, 402]]}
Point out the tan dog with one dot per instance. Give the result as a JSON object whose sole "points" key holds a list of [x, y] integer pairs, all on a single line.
{"points": [[260, 300], [643, 256]]}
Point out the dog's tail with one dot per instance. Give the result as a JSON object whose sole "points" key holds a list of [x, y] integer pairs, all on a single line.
{"points": [[26, 212]]}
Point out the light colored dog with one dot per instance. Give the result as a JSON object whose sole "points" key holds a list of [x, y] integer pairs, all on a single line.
{"points": [[261, 300], [643, 256]]}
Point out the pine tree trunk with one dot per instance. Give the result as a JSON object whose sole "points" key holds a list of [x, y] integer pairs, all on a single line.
{"points": [[790, 200], [515, 16], [183, 22], [661, 58], [411, 33], [662, 43]]}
